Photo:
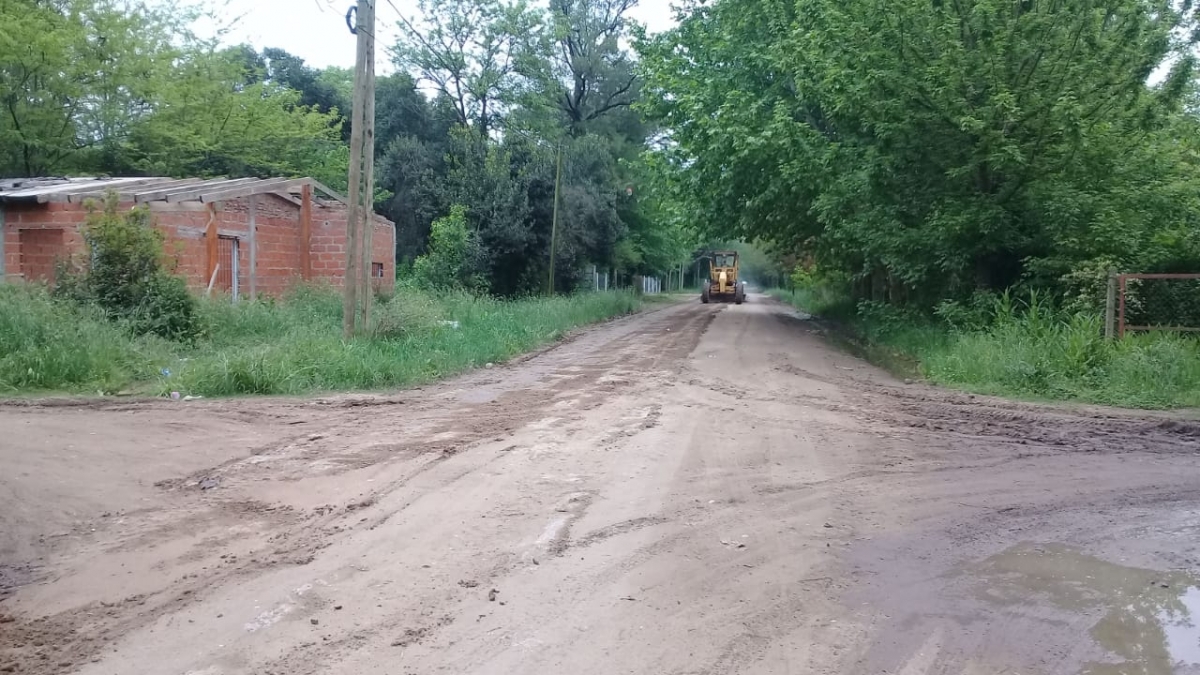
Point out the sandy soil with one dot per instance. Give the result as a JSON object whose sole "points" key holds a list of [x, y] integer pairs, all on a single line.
{"points": [[696, 490]]}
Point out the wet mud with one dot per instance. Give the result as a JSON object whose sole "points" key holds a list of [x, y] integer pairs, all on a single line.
{"points": [[696, 490]]}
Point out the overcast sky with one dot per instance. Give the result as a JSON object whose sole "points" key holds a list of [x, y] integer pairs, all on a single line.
{"points": [[315, 30]]}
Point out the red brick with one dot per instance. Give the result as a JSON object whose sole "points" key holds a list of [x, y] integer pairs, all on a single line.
{"points": [[277, 238]]}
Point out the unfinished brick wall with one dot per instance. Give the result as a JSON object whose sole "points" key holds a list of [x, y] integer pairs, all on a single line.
{"points": [[41, 249], [184, 225], [10, 254], [277, 242], [329, 247], [37, 237]]}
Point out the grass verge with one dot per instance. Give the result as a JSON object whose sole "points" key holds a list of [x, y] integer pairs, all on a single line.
{"points": [[292, 346], [1023, 350]]}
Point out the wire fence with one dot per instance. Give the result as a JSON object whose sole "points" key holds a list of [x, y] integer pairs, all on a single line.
{"points": [[1155, 302]]}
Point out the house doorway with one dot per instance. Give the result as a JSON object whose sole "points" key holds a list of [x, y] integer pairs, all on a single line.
{"points": [[227, 266]]}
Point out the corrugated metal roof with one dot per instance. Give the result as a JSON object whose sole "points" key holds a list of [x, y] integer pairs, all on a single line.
{"points": [[153, 189]]}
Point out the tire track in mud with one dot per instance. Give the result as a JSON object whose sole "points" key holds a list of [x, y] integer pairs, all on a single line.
{"points": [[951, 477], [589, 369], [841, 485], [955, 414], [976, 476]]}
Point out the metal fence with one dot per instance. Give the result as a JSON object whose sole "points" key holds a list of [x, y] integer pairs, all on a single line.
{"points": [[1154, 302]]}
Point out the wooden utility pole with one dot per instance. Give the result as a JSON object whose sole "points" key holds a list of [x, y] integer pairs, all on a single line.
{"points": [[306, 202], [554, 221], [253, 200], [368, 179], [1110, 306], [364, 28]]}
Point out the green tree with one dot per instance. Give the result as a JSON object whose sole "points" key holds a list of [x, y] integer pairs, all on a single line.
{"points": [[929, 149], [586, 74], [209, 121], [499, 185], [412, 139], [453, 260], [471, 51], [521, 86], [76, 76]]}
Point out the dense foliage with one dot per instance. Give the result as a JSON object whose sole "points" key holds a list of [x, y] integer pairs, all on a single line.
{"points": [[515, 87], [486, 96], [453, 255], [106, 86], [123, 275], [924, 150]]}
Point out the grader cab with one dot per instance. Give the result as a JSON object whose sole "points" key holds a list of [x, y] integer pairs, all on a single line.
{"points": [[723, 284]]}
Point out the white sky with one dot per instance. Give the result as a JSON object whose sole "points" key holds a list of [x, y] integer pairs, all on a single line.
{"points": [[315, 30]]}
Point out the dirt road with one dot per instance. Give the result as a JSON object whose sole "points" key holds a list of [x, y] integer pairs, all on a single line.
{"points": [[695, 490]]}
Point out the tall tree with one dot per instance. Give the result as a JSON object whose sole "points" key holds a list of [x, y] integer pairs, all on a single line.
{"points": [[590, 73], [471, 52], [317, 89], [412, 140], [76, 76], [208, 121]]}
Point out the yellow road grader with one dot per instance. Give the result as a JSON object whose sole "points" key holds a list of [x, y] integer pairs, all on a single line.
{"points": [[723, 284]]}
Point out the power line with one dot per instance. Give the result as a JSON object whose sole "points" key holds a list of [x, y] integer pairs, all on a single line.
{"points": [[397, 10]]}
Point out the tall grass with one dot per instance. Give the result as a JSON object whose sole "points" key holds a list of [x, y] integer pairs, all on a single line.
{"points": [[817, 299], [1028, 349], [290, 346], [57, 345]]}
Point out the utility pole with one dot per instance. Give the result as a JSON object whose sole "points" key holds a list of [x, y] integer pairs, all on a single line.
{"points": [[368, 179], [554, 221], [361, 183]]}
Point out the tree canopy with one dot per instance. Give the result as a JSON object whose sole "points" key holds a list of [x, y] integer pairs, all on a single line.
{"points": [[511, 87], [928, 149]]}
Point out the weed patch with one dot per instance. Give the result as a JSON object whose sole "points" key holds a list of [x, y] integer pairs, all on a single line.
{"points": [[289, 346], [1025, 349]]}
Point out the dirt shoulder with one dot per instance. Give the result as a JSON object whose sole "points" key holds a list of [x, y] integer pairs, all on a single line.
{"points": [[700, 489]]}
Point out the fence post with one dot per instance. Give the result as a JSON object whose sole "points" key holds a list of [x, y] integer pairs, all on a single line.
{"points": [[3, 234], [1121, 288], [1110, 306]]}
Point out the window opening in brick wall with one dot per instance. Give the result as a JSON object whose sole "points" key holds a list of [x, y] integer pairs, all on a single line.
{"points": [[377, 270]]}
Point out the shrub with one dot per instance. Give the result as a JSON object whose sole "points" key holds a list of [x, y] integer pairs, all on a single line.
{"points": [[123, 275], [974, 314], [454, 255]]}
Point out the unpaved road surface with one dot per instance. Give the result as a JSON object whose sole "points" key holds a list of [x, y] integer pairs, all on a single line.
{"points": [[695, 490]]}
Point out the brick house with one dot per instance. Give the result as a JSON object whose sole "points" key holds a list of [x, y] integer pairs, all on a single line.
{"points": [[243, 236]]}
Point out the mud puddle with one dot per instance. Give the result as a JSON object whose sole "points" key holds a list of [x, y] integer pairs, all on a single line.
{"points": [[1149, 621]]}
